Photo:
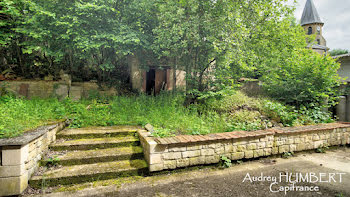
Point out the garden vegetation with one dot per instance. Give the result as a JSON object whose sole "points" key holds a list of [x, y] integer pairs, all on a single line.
{"points": [[217, 42], [229, 110]]}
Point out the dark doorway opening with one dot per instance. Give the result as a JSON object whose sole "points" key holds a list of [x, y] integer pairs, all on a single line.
{"points": [[150, 81]]}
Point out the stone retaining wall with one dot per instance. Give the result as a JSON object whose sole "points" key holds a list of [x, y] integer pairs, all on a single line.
{"points": [[186, 150], [60, 89], [20, 157]]}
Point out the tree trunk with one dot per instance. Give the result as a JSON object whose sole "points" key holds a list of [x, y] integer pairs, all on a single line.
{"points": [[174, 74]]}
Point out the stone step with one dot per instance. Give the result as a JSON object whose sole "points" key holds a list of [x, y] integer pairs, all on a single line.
{"points": [[100, 155], [96, 143], [97, 132], [68, 175]]}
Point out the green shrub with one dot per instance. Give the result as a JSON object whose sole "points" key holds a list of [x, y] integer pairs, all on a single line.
{"points": [[278, 112], [225, 162], [304, 78]]}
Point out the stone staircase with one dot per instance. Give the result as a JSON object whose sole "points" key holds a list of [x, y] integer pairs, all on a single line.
{"points": [[91, 154]]}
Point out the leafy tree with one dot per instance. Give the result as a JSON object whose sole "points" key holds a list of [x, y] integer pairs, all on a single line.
{"points": [[11, 41], [9, 15], [304, 79], [259, 38], [91, 36], [216, 42], [186, 35]]}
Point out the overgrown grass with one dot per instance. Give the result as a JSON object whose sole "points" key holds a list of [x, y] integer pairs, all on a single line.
{"points": [[230, 111], [18, 115]]}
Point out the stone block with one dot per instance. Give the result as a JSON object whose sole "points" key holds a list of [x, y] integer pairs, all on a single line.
{"points": [[33, 154], [251, 146], [282, 149], [292, 147], [318, 144], [290, 140], [182, 163], [261, 145], [308, 138], [249, 154], [172, 155], [39, 142], [315, 137], [323, 136], [309, 146], [269, 144], [242, 142], [32, 146], [193, 153], [237, 155], [31, 171], [156, 167], [229, 148], [267, 151], [30, 164], [170, 164], [13, 185], [212, 159], [258, 153], [61, 91], [241, 148], [274, 150], [220, 150], [12, 171], [156, 148], [301, 147], [263, 139], [219, 145], [155, 158], [280, 143], [75, 92], [14, 155], [197, 160], [206, 152], [252, 140], [194, 147], [212, 146], [176, 149]]}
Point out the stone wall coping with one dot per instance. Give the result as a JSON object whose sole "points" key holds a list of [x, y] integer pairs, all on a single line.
{"points": [[34, 81], [182, 139], [30, 135]]}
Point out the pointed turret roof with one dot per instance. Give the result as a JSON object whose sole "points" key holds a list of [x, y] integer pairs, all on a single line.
{"points": [[310, 14]]}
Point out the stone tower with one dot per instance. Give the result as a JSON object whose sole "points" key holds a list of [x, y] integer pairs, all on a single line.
{"points": [[312, 24]]}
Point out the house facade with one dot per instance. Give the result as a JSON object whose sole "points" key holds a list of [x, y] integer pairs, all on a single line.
{"points": [[344, 70]]}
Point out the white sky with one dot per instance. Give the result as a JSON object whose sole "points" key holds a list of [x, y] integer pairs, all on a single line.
{"points": [[336, 17]]}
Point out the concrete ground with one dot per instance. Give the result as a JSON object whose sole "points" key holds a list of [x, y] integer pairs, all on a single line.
{"points": [[331, 177]]}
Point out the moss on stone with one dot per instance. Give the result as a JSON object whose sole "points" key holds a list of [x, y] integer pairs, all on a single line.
{"points": [[92, 172], [96, 143], [100, 155]]}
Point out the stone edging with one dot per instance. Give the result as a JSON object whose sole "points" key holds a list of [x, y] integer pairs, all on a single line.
{"points": [[19, 157], [189, 150], [30, 135]]}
